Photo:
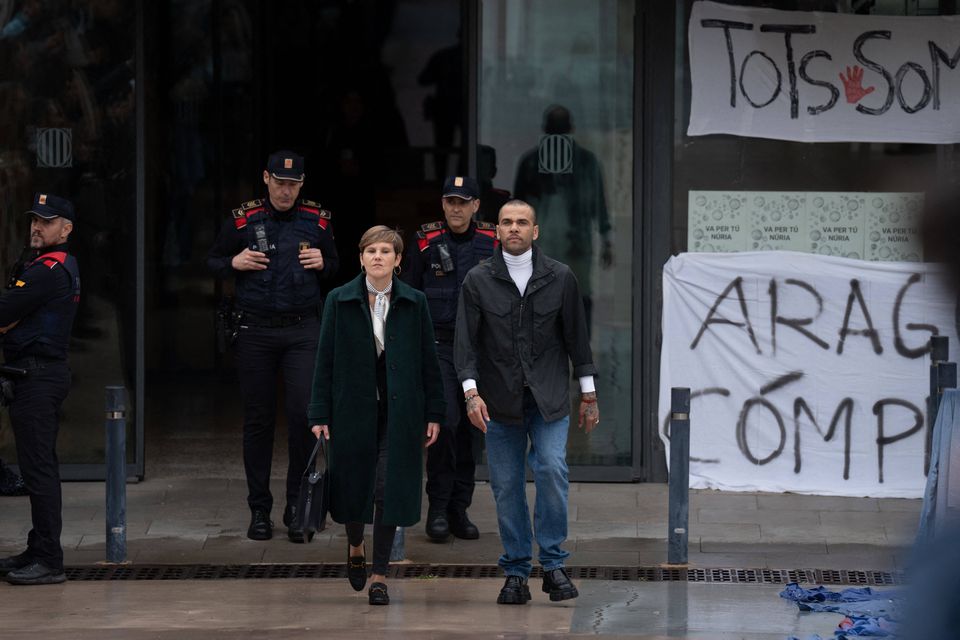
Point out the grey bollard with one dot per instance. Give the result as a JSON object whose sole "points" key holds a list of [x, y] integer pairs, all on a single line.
{"points": [[116, 486], [679, 506], [397, 552]]}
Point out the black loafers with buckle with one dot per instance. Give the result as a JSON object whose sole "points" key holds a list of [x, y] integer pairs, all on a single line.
{"points": [[356, 570], [377, 595]]}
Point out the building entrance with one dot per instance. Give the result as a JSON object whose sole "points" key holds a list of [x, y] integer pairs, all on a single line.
{"points": [[369, 92]]}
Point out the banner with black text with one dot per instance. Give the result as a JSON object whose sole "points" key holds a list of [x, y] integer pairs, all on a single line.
{"points": [[824, 77], [808, 373]]}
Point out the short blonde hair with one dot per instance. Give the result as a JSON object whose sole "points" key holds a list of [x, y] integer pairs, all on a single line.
{"points": [[382, 233]]}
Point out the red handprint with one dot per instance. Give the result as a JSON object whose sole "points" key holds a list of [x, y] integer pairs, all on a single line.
{"points": [[853, 85]]}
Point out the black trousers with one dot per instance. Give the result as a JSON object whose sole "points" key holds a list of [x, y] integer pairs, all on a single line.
{"points": [[382, 534], [34, 414], [451, 464], [262, 354]]}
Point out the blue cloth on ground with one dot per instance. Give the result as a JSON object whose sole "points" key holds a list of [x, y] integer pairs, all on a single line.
{"points": [[868, 613]]}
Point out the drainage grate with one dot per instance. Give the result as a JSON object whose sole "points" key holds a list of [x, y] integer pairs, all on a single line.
{"points": [[428, 571]]}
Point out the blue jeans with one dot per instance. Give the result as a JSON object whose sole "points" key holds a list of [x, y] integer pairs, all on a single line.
{"points": [[506, 456]]}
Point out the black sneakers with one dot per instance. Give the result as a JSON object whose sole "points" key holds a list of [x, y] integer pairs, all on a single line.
{"points": [[12, 563], [260, 526], [36, 573], [515, 591], [557, 583]]}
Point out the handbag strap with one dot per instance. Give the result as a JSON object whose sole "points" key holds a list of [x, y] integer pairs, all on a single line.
{"points": [[312, 461]]}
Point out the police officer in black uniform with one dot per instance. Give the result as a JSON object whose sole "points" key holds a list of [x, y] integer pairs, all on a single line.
{"points": [[281, 251], [36, 316], [436, 264]]}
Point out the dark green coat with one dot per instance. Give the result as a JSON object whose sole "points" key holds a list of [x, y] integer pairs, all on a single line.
{"points": [[345, 397]]}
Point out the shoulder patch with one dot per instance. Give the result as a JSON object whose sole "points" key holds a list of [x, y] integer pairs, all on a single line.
{"points": [[488, 226], [251, 204], [239, 218], [432, 226], [310, 203]]}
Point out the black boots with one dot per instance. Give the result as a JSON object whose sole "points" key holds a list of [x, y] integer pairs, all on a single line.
{"points": [[260, 526], [461, 527], [515, 591], [557, 583], [438, 529]]}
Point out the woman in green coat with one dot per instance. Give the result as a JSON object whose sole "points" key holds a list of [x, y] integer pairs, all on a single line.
{"points": [[378, 399]]}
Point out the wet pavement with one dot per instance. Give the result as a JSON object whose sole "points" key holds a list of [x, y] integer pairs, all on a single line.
{"points": [[420, 608]]}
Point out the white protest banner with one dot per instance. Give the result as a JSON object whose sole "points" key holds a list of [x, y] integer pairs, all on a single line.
{"points": [[808, 373], [824, 77]]}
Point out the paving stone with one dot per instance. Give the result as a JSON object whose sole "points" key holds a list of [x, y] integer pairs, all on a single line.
{"points": [[759, 516], [746, 532], [901, 504], [817, 503]]}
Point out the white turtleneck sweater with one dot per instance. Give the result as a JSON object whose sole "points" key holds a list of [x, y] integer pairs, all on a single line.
{"points": [[521, 268]]}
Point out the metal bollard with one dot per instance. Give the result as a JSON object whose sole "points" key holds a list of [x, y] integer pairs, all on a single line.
{"points": [[397, 552], [943, 375], [678, 534], [116, 486]]}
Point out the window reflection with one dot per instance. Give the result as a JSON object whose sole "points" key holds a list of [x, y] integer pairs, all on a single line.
{"points": [[556, 130], [67, 126]]}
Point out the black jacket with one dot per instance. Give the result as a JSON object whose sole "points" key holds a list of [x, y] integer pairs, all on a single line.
{"points": [[505, 341]]}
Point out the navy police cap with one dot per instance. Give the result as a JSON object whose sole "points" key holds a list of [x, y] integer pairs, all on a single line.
{"points": [[461, 187], [285, 165], [49, 206]]}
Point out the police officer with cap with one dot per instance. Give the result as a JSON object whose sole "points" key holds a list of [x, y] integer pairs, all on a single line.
{"points": [[436, 264], [36, 316], [280, 250]]}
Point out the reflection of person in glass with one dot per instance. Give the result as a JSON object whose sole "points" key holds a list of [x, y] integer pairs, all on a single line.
{"points": [[445, 70], [378, 398], [280, 250], [564, 184], [36, 313]]}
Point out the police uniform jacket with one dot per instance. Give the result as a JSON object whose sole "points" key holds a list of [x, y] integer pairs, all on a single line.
{"points": [[42, 298], [285, 286], [439, 276]]}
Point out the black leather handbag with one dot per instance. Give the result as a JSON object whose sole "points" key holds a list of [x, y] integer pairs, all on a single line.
{"points": [[314, 499]]}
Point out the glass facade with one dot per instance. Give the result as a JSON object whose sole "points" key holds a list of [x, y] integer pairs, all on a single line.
{"points": [[67, 126], [556, 130]]}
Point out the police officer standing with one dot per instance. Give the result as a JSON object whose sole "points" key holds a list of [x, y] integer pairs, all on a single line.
{"points": [[437, 264], [281, 251], [36, 316]]}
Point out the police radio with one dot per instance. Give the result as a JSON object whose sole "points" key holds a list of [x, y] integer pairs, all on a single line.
{"points": [[445, 259], [260, 233]]}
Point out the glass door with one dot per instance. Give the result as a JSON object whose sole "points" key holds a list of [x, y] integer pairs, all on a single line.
{"points": [[555, 128]]}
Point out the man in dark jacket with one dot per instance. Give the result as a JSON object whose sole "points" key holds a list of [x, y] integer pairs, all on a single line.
{"points": [[36, 316], [280, 250], [520, 323]]}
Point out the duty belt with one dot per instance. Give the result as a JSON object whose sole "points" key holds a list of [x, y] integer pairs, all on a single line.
{"points": [[280, 320], [32, 362]]}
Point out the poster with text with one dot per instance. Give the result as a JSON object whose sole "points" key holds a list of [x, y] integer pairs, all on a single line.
{"points": [[808, 373], [824, 77]]}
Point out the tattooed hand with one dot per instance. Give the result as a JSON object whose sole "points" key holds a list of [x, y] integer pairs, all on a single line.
{"points": [[477, 410], [589, 412]]}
